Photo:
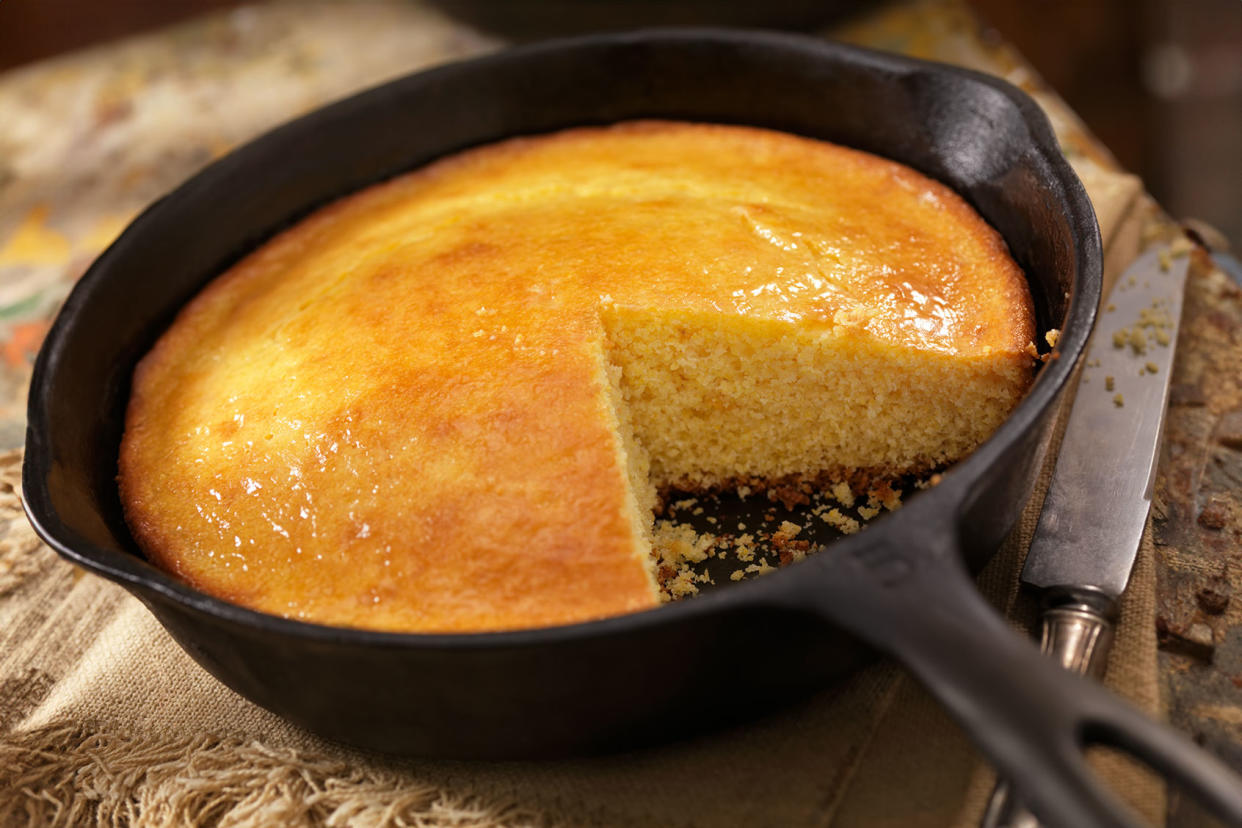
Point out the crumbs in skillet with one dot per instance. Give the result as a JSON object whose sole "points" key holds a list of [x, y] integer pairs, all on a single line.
{"points": [[694, 547]]}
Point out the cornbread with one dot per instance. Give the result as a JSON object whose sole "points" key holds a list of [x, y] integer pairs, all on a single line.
{"points": [[445, 403]]}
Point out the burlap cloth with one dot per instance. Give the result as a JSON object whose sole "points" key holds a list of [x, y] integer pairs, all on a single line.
{"points": [[104, 720]]}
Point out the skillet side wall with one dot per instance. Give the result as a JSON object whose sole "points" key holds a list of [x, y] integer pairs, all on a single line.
{"points": [[567, 696], [1053, 244], [588, 687]]}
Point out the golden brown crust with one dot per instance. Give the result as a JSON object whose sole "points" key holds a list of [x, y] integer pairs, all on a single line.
{"points": [[392, 415]]}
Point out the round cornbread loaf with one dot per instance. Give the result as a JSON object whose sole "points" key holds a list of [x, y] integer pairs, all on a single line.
{"points": [[444, 403]]}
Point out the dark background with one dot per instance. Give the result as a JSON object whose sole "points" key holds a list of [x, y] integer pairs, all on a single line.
{"points": [[1159, 81]]}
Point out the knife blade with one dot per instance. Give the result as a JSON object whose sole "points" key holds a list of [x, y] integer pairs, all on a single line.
{"points": [[1093, 516], [1100, 493]]}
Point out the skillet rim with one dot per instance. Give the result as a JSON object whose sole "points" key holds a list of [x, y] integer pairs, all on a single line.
{"points": [[151, 584]]}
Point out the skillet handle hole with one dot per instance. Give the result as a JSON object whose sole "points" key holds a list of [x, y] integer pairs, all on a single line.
{"points": [[1161, 779], [1130, 779]]}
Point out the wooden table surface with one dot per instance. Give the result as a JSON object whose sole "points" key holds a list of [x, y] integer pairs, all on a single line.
{"points": [[88, 139]]}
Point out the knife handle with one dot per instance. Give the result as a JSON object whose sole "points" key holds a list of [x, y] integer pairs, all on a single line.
{"points": [[1078, 634], [1078, 629]]}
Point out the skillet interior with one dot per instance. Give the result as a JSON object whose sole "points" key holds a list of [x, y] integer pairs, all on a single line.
{"points": [[591, 685]]}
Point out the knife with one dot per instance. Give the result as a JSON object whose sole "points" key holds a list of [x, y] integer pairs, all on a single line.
{"points": [[1096, 508]]}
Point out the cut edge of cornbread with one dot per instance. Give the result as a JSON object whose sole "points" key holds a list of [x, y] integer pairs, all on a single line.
{"points": [[719, 400], [710, 402], [632, 457]]}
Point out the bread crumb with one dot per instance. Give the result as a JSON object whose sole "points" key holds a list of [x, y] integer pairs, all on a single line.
{"points": [[867, 513], [1119, 400], [675, 543], [889, 497], [793, 552], [1109, 383], [676, 548], [744, 548], [737, 575], [1152, 368], [843, 494], [1154, 317], [844, 524], [681, 585], [1052, 337]]}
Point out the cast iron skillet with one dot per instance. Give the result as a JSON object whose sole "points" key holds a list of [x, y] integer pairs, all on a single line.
{"points": [[901, 586]]}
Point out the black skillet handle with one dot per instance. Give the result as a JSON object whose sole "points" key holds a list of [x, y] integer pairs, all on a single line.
{"points": [[1031, 718], [1077, 633]]}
